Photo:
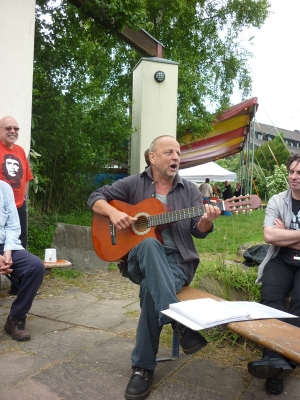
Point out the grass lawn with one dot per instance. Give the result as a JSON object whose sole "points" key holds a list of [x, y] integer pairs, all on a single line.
{"points": [[232, 232]]}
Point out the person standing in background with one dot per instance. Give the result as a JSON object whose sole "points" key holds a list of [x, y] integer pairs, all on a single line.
{"points": [[217, 191], [227, 193], [15, 170], [239, 191], [206, 190]]}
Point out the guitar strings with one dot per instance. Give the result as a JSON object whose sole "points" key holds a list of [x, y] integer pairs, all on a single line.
{"points": [[143, 222]]}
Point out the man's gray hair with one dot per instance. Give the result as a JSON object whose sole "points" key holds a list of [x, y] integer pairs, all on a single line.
{"points": [[152, 147]]}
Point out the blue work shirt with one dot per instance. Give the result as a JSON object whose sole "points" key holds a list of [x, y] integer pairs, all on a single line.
{"points": [[9, 219]]}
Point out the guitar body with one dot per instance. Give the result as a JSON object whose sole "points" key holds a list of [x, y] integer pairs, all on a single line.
{"points": [[152, 216], [126, 239]]}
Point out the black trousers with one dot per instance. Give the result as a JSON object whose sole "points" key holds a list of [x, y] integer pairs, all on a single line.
{"points": [[280, 277], [23, 216], [29, 271]]}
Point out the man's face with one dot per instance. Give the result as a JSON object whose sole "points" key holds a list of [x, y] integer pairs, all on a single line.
{"points": [[12, 167], [8, 134], [166, 158], [294, 176]]}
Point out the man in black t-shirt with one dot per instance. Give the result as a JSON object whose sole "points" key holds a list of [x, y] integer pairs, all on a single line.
{"points": [[279, 273]]}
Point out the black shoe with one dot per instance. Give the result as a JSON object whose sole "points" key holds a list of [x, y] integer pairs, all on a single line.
{"points": [[139, 386], [274, 385], [270, 368], [190, 341]]}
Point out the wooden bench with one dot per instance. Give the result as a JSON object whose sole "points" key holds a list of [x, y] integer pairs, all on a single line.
{"points": [[271, 333], [57, 264], [48, 268]]}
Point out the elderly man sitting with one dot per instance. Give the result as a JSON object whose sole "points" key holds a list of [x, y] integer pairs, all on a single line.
{"points": [[19, 263]]}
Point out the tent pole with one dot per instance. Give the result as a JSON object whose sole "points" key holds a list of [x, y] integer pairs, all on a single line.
{"points": [[252, 130]]}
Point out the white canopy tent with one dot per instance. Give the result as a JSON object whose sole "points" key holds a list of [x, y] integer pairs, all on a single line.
{"points": [[209, 170]]}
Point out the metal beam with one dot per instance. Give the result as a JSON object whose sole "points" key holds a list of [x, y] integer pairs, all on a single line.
{"points": [[140, 40]]}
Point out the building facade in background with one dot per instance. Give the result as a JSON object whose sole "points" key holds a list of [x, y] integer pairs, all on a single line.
{"points": [[265, 133]]}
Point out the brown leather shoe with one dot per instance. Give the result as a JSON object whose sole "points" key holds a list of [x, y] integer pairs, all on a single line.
{"points": [[16, 328]]}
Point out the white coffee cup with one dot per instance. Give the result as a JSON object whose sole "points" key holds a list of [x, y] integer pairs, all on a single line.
{"points": [[50, 255]]}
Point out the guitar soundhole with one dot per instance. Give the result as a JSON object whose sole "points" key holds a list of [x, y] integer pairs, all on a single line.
{"points": [[140, 227]]}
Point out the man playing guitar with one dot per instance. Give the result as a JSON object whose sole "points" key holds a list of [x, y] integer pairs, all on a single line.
{"points": [[161, 270]]}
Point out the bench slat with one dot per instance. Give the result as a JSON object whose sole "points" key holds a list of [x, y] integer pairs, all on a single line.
{"points": [[57, 264], [271, 333]]}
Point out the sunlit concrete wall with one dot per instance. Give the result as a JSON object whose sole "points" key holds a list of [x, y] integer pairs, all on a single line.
{"points": [[16, 63], [154, 110]]}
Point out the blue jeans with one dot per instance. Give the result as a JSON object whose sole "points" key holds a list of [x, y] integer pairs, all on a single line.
{"points": [[159, 277]]}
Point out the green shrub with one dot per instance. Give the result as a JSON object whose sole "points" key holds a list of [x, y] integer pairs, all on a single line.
{"points": [[41, 228], [277, 182], [229, 283], [66, 274]]}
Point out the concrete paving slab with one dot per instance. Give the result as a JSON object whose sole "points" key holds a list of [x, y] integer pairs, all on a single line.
{"points": [[28, 390], [80, 349], [174, 390], [95, 314], [221, 379], [256, 390], [17, 365], [70, 381], [59, 345], [40, 326]]}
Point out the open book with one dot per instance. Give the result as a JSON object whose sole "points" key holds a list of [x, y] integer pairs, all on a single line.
{"points": [[205, 313]]}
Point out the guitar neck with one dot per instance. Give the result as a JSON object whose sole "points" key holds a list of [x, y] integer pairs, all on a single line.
{"points": [[186, 213]]}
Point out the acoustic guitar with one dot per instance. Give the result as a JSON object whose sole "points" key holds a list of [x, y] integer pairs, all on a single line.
{"points": [[152, 216]]}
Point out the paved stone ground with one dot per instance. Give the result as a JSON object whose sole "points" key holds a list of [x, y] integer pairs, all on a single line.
{"points": [[80, 347]]}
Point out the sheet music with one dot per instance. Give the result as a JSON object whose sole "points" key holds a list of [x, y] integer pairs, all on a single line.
{"points": [[205, 313]]}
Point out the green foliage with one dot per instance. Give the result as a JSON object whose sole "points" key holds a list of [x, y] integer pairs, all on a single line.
{"points": [[229, 283], [277, 182], [82, 81], [41, 227], [66, 274], [39, 181], [264, 154]]}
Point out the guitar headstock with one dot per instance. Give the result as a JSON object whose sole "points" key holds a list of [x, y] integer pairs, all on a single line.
{"points": [[242, 203]]}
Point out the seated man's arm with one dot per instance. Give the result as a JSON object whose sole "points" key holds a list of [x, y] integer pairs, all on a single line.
{"points": [[279, 236], [120, 219]]}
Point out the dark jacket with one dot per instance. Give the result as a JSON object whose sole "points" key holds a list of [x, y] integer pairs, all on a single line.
{"points": [[184, 194]]}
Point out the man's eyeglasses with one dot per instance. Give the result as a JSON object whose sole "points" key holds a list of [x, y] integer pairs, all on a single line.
{"points": [[10, 128]]}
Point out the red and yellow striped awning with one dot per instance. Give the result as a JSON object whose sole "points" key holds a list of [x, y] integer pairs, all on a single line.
{"points": [[227, 138]]}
